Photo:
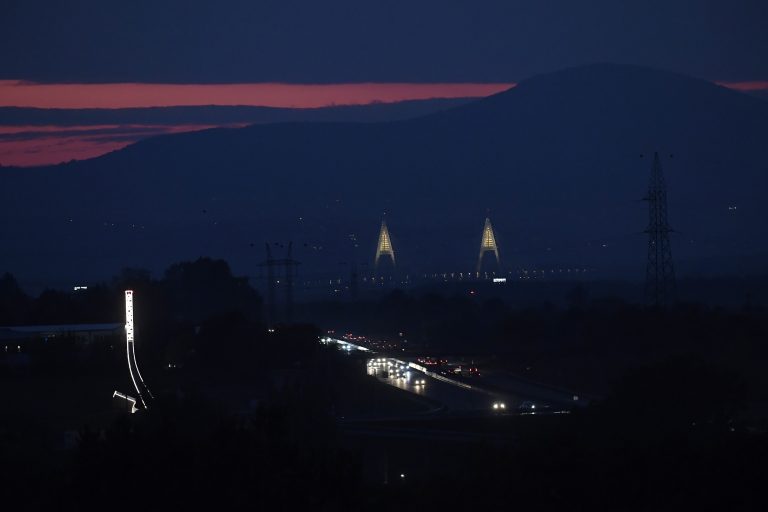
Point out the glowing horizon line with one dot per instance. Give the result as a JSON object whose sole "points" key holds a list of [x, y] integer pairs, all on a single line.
{"points": [[748, 85], [22, 94]]}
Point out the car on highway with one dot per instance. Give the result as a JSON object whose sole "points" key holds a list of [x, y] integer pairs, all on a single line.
{"points": [[529, 406]]}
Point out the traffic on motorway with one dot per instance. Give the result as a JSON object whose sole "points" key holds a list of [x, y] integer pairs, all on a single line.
{"points": [[459, 387]]}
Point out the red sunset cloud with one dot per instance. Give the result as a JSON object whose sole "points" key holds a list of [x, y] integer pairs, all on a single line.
{"points": [[749, 86], [25, 146], [17, 93], [42, 145]]}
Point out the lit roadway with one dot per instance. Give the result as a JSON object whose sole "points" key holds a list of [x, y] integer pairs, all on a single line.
{"points": [[500, 394], [453, 395]]}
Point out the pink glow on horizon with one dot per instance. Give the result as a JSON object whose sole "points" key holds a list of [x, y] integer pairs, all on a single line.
{"points": [[53, 150], [67, 144], [18, 93], [23, 129], [59, 147], [754, 85], [81, 142]]}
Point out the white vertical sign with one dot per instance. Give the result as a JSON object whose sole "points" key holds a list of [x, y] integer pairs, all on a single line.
{"points": [[129, 315], [129, 345]]}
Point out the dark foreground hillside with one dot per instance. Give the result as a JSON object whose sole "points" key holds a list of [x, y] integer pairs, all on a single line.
{"points": [[249, 416]]}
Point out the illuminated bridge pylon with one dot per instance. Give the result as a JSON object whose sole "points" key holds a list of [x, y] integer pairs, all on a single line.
{"points": [[384, 247], [487, 244]]}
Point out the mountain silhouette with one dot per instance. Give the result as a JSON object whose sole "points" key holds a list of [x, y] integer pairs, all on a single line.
{"points": [[562, 162], [216, 114]]}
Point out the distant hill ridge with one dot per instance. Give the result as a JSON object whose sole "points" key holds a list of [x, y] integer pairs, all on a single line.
{"points": [[557, 160], [215, 114]]}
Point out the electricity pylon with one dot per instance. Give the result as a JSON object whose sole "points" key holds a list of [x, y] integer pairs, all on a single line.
{"points": [[660, 273], [384, 247], [487, 244], [289, 265]]}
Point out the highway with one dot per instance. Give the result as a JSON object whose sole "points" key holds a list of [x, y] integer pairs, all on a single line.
{"points": [[501, 395], [452, 395]]}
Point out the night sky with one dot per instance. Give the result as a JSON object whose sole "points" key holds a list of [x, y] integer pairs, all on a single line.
{"points": [[188, 41], [290, 54]]}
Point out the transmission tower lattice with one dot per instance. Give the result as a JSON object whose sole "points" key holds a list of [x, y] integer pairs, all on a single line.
{"points": [[487, 244], [660, 288], [289, 265], [384, 247]]}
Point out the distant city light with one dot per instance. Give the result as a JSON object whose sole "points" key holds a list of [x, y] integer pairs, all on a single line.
{"points": [[499, 279], [78, 288]]}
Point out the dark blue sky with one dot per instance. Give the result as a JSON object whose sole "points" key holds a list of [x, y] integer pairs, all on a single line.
{"points": [[382, 40]]}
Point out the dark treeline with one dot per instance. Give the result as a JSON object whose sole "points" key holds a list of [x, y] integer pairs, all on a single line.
{"points": [[173, 313], [199, 310], [187, 292]]}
